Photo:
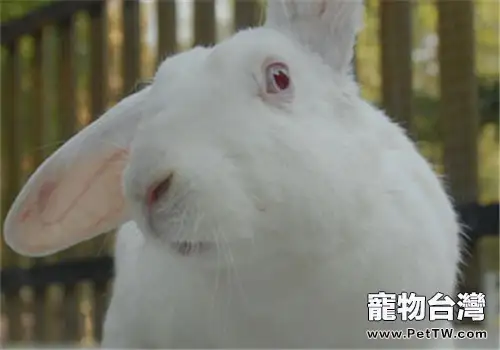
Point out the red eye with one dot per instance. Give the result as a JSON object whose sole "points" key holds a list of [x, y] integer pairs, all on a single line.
{"points": [[277, 78]]}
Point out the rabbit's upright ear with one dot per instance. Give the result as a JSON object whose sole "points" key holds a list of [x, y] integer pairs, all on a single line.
{"points": [[325, 27], [76, 193]]}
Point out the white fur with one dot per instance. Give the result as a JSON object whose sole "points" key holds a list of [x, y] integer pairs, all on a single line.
{"points": [[312, 206], [311, 201]]}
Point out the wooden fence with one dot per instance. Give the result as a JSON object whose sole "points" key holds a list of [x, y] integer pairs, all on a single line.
{"points": [[44, 301], [67, 304]]}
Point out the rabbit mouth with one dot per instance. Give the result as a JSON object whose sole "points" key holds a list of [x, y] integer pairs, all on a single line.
{"points": [[190, 248]]}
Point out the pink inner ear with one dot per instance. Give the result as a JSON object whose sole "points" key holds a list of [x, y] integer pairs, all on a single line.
{"points": [[76, 193], [44, 194], [75, 204]]}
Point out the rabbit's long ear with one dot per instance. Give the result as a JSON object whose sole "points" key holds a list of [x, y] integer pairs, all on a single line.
{"points": [[76, 193], [326, 27]]}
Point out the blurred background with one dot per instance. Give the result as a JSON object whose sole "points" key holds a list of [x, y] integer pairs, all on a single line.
{"points": [[432, 65]]}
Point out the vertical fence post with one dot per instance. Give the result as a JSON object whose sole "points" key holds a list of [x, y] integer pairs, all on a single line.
{"points": [[459, 100], [204, 22], [10, 123], [53, 308], [98, 56], [131, 45], [246, 14], [67, 100], [459, 124], [38, 127], [11, 171], [99, 98], [68, 123], [24, 139], [167, 29], [4, 330], [396, 39]]}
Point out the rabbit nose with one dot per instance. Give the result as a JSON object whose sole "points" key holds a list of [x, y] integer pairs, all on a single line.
{"points": [[157, 190]]}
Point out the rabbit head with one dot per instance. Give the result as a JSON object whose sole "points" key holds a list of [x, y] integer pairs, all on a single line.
{"points": [[260, 149], [260, 141]]}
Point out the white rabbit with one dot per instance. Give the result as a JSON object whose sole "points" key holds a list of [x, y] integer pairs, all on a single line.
{"points": [[262, 199]]}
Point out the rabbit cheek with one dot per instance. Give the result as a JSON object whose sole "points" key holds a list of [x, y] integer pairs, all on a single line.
{"points": [[166, 218], [160, 213]]}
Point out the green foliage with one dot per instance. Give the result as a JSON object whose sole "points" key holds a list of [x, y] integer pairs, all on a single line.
{"points": [[12, 9]]}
